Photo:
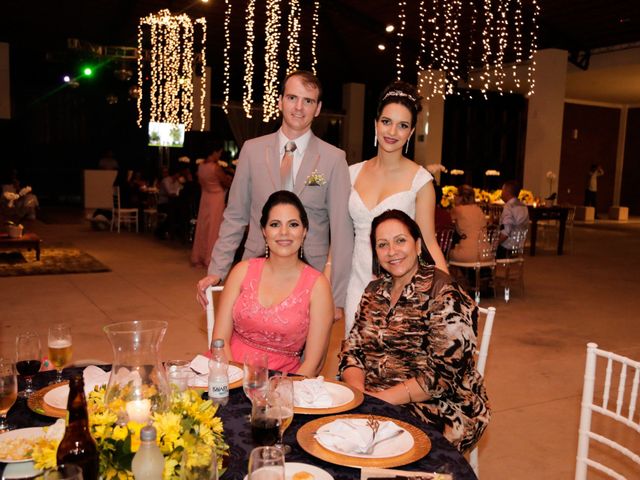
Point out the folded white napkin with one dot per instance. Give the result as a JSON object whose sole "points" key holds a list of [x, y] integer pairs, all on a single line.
{"points": [[94, 376], [55, 431], [311, 393], [200, 365], [354, 436]]}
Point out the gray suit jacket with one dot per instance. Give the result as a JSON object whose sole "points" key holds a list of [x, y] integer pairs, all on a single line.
{"points": [[258, 176]]}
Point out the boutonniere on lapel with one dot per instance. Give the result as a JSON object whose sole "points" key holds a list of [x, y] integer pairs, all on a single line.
{"points": [[315, 179]]}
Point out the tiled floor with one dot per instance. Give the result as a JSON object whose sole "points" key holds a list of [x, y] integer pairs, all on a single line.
{"points": [[536, 360]]}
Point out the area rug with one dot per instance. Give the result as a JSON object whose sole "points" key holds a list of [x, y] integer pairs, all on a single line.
{"points": [[53, 261]]}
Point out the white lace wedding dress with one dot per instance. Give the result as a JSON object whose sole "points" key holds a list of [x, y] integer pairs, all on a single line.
{"points": [[361, 273]]}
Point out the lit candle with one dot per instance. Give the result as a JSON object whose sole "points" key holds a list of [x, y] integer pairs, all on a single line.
{"points": [[139, 410]]}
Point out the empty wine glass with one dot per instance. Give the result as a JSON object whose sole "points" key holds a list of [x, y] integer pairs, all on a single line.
{"points": [[283, 386], [60, 347], [28, 359], [8, 390], [266, 463], [255, 381]]}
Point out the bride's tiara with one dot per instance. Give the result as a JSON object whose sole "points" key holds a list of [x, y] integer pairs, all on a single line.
{"points": [[398, 93]]}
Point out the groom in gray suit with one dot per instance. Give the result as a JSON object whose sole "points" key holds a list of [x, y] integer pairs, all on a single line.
{"points": [[293, 159]]}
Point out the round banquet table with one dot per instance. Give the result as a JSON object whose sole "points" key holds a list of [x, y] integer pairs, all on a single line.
{"points": [[442, 457]]}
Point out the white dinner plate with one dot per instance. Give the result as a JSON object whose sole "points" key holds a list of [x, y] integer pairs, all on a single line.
{"points": [[340, 395], [387, 448], [57, 397], [202, 380], [291, 468], [21, 433], [20, 470]]}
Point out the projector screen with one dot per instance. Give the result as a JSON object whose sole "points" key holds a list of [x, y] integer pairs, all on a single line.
{"points": [[166, 134]]}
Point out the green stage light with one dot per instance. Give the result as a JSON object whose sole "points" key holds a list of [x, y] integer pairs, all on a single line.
{"points": [[88, 71]]}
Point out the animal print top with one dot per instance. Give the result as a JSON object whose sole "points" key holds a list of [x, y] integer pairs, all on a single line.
{"points": [[429, 335]]}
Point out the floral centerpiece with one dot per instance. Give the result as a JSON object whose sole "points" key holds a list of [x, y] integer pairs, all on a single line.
{"points": [[526, 197], [190, 424], [448, 194], [14, 207]]}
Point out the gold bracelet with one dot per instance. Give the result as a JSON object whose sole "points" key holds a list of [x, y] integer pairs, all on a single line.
{"points": [[408, 391]]}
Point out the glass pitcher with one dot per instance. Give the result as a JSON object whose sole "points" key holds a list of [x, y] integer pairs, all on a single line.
{"points": [[138, 384]]}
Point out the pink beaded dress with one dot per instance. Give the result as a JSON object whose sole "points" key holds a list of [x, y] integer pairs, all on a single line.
{"points": [[280, 330]]}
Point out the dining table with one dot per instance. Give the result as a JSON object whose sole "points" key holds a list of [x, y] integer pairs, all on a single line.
{"points": [[556, 212], [442, 457]]}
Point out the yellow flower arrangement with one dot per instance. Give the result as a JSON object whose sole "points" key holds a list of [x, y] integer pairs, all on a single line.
{"points": [[526, 197], [190, 424], [448, 194]]}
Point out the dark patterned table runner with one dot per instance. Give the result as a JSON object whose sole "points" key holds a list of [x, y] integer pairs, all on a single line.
{"points": [[443, 457]]}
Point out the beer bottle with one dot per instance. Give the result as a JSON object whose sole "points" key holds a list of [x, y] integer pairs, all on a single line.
{"points": [[77, 445]]}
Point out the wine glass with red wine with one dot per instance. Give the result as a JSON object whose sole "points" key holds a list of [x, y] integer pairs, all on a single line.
{"points": [[28, 359]]}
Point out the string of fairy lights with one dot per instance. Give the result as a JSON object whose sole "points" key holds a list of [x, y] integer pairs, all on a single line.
{"points": [[293, 24], [226, 78], [402, 22], [272, 36], [247, 89], [492, 53], [171, 67], [272, 48]]}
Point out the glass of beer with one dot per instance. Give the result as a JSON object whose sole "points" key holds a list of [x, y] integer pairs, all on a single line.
{"points": [[28, 359], [60, 348], [8, 390], [283, 386]]}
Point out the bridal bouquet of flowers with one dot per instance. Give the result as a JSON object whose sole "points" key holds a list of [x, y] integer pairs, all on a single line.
{"points": [[190, 426]]}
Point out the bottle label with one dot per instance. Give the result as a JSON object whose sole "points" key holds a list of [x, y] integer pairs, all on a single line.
{"points": [[218, 390]]}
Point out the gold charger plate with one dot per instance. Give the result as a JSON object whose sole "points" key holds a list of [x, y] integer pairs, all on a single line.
{"points": [[306, 439], [37, 404], [358, 398]]}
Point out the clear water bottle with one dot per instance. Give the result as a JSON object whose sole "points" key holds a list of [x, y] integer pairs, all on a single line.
{"points": [[218, 373], [148, 461]]}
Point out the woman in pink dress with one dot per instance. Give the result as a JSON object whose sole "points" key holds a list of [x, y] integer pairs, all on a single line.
{"points": [[214, 184], [276, 304]]}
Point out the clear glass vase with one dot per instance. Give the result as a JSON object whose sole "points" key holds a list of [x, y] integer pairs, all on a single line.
{"points": [[138, 384]]}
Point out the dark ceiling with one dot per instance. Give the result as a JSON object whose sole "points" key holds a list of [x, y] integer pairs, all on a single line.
{"points": [[350, 31]]}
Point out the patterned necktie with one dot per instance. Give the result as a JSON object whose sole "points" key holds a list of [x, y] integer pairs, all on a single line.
{"points": [[286, 170]]}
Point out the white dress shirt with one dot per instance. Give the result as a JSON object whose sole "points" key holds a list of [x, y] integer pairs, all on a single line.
{"points": [[515, 216]]}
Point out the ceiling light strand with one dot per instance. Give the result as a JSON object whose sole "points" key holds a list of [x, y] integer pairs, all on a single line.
{"points": [[226, 75], [247, 88], [293, 32], [171, 67], [272, 36]]}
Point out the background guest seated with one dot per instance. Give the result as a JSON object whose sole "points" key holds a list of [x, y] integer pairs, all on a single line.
{"points": [[414, 339], [515, 216], [469, 220], [278, 304]]}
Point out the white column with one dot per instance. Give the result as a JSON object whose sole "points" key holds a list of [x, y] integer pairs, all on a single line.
{"points": [[5, 91], [353, 126], [544, 120], [430, 126], [622, 136]]}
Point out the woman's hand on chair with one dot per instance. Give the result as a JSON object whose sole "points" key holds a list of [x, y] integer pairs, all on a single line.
{"points": [[201, 287]]}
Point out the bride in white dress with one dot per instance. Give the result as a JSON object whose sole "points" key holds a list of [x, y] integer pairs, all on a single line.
{"points": [[389, 181]]}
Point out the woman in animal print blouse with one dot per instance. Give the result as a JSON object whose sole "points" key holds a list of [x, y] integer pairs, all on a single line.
{"points": [[414, 339]]}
